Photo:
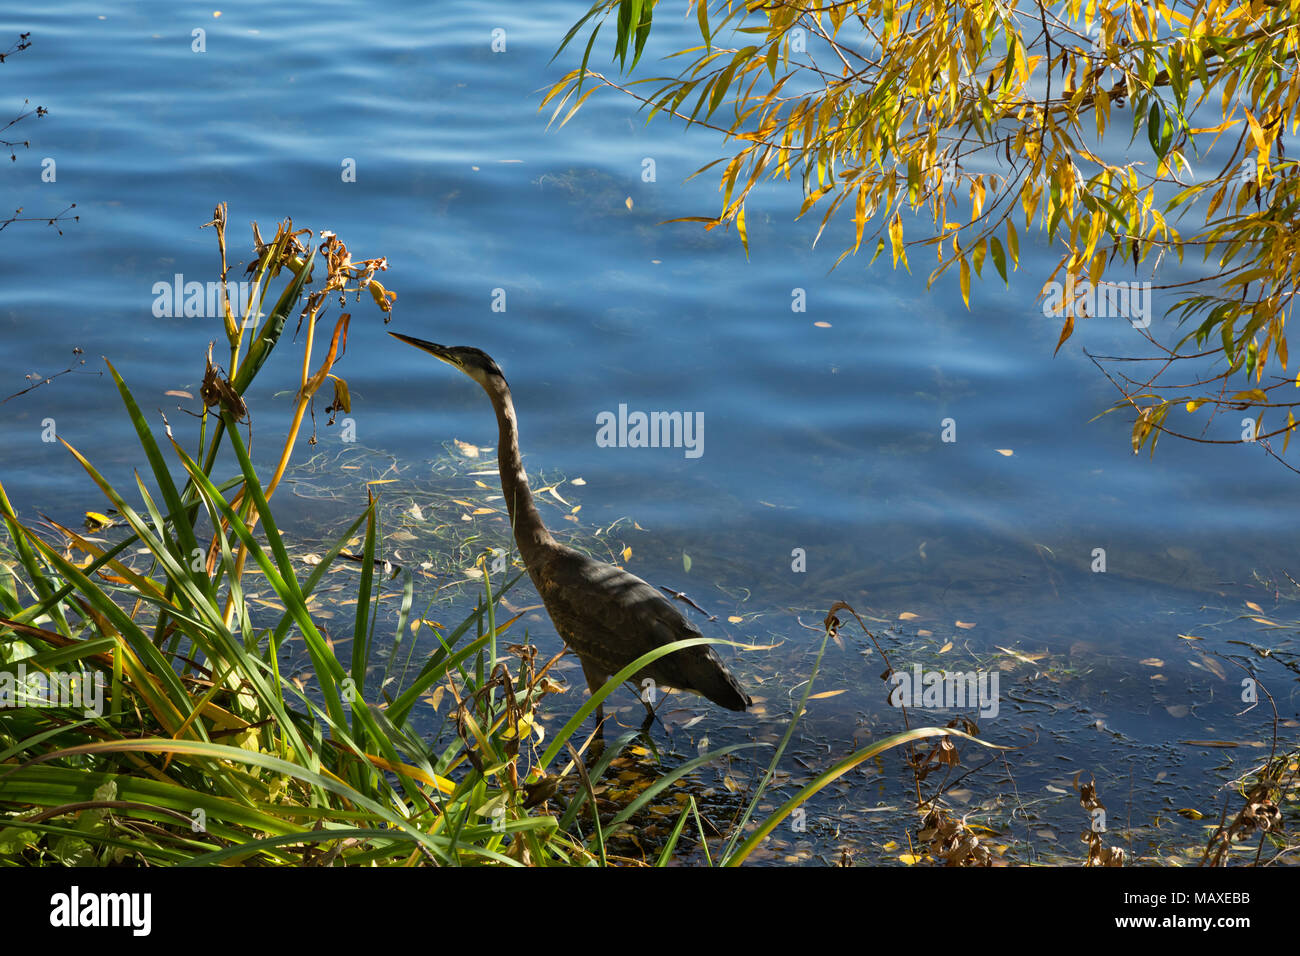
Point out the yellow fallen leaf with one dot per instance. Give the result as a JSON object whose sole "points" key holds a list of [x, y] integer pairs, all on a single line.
{"points": [[97, 521], [1214, 667], [1151, 662], [1027, 658], [822, 325], [964, 625], [946, 648], [1005, 452], [627, 553], [1254, 607], [908, 616], [628, 202], [909, 858], [735, 620], [826, 693]]}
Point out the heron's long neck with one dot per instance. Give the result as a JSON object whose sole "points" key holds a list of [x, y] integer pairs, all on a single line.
{"points": [[530, 533]]}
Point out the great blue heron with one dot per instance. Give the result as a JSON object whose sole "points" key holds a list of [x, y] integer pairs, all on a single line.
{"points": [[608, 616]]}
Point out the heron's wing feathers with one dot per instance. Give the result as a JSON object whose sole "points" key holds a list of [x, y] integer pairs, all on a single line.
{"points": [[611, 617]]}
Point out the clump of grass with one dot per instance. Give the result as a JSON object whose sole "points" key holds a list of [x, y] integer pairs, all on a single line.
{"points": [[204, 752]]}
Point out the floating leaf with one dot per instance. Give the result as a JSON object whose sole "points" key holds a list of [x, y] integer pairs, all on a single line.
{"points": [[97, 522], [1214, 667]]}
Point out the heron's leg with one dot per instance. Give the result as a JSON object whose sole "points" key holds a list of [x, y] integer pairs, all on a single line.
{"points": [[651, 710], [595, 680]]}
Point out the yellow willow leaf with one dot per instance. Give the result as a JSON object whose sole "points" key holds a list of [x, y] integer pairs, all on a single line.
{"points": [[1257, 134], [825, 694], [1226, 124], [860, 216], [1066, 331], [740, 229], [1101, 103], [965, 280], [896, 237]]}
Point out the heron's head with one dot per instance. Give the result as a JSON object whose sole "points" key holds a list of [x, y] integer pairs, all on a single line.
{"points": [[475, 363]]}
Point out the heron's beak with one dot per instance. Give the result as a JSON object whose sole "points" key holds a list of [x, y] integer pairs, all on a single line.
{"points": [[437, 351]]}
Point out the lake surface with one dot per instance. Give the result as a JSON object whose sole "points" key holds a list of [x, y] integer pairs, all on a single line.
{"points": [[825, 439]]}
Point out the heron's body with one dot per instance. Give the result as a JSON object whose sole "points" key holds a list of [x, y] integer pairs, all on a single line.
{"points": [[608, 616]]}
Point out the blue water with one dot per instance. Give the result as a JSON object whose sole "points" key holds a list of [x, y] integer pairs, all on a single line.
{"points": [[825, 439]]}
